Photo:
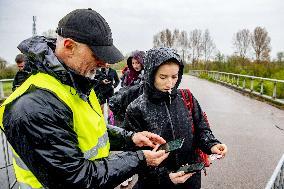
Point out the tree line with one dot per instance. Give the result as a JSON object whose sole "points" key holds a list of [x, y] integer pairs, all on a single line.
{"points": [[199, 50], [198, 46]]}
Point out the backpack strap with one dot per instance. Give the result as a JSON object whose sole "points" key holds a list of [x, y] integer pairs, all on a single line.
{"points": [[187, 98]]}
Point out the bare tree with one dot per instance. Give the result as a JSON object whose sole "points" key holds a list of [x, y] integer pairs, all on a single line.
{"points": [[156, 40], [3, 63], [175, 38], [241, 42], [195, 44], [260, 43], [50, 33], [169, 38], [208, 45], [280, 56]]}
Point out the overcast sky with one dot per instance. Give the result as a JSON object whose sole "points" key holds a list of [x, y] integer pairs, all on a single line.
{"points": [[134, 22]]}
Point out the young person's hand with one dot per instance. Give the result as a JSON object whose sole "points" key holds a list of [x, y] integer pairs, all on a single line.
{"points": [[220, 149], [179, 177]]}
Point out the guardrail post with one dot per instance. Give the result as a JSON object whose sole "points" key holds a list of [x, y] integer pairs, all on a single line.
{"points": [[251, 84], [274, 90], [261, 86], [244, 83], [1, 90], [238, 79]]}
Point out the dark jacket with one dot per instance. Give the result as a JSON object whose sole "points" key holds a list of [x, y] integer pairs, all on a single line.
{"points": [[121, 99], [106, 90], [19, 78], [38, 125], [166, 115]]}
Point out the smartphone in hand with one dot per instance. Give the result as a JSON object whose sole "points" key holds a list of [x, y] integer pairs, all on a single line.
{"points": [[172, 145], [192, 168]]}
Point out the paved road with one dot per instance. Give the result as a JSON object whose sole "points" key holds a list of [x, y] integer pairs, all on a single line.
{"points": [[250, 129]]}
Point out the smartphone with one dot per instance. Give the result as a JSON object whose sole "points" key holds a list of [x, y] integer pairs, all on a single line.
{"points": [[172, 145], [192, 168]]}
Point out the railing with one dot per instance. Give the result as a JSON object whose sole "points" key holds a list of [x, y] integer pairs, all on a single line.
{"points": [[277, 179], [2, 81], [7, 177], [240, 81]]}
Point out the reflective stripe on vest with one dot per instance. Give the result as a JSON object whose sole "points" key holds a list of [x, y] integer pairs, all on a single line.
{"points": [[26, 186], [88, 121]]}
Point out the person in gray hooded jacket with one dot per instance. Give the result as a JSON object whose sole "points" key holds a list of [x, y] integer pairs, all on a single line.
{"points": [[161, 110]]}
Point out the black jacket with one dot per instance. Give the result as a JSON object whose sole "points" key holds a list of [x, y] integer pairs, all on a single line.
{"points": [[19, 78], [167, 115], [105, 91], [38, 125]]}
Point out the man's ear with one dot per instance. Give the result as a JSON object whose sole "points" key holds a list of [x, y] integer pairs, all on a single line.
{"points": [[69, 44]]}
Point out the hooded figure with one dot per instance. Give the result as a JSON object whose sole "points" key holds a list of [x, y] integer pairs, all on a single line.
{"points": [[162, 110], [134, 73]]}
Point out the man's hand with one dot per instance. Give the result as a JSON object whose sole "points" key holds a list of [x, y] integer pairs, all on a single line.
{"points": [[179, 177], [220, 149], [154, 157], [146, 138]]}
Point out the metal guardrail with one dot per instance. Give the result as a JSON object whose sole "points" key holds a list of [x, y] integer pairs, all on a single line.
{"points": [[7, 176], [239, 81], [277, 179], [2, 81]]}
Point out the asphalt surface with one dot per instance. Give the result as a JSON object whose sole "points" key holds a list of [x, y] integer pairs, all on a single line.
{"points": [[252, 130]]}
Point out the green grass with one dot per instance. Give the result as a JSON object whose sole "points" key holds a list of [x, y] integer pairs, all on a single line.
{"points": [[7, 88]]}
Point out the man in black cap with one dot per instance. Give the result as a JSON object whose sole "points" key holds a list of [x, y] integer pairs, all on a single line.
{"points": [[54, 122]]}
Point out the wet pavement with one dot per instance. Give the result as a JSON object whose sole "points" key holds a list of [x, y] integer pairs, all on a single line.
{"points": [[252, 130]]}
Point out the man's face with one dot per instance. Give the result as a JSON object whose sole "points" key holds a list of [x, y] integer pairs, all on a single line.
{"points": [[21, 65], [85, 62], [107, 65]]}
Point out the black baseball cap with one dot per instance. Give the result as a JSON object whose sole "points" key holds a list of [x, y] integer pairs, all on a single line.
{"points": [[89, 27]]}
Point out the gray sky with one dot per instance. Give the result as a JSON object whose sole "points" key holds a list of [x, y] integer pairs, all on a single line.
{"points": [[134, 23]]}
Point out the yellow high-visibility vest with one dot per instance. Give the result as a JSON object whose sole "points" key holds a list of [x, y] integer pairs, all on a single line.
{"points": [[88, 123]]}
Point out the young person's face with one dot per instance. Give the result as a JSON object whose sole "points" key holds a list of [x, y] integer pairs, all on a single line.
{"points": [[136, 65], [21, 65], [166, 76]]}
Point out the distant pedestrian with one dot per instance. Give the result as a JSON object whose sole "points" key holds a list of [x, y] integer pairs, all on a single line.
{"points": [[22, 73]]}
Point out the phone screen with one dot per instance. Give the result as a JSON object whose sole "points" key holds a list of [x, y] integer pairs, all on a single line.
{"points": [[172, 145], [192, 167]]}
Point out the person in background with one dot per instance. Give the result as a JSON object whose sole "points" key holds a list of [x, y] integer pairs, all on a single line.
{"points": [[53, 121], [108, 81], [134, 74], [162, 110], [22, 73]]}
